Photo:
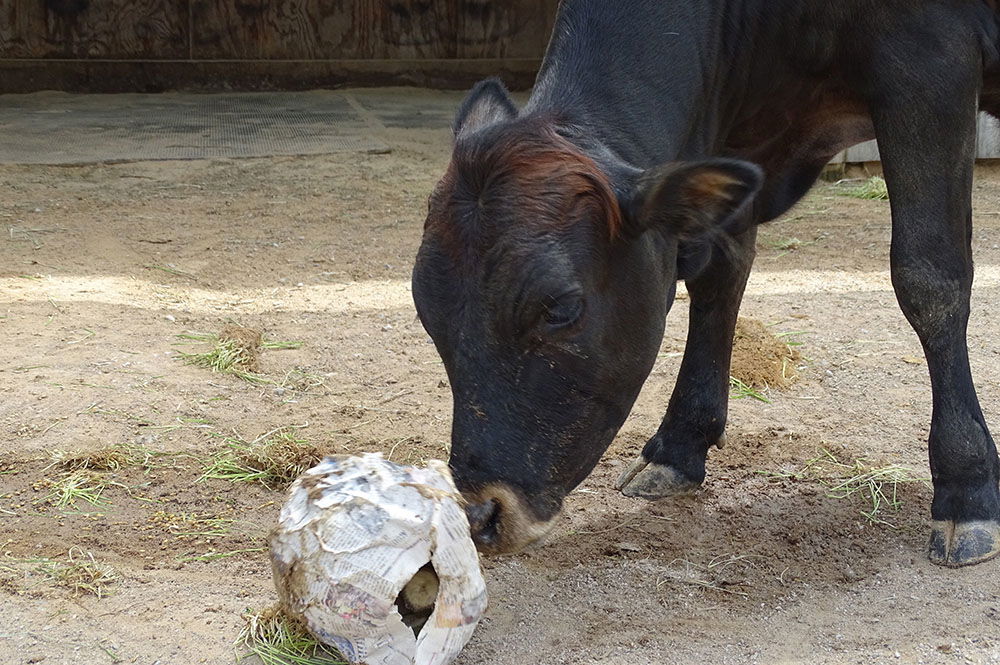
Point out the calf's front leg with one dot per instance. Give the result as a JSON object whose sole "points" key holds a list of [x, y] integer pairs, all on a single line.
{"points": [[673, 461]]}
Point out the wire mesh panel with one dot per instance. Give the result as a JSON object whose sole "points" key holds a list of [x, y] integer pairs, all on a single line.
{"points": [[55, 128]]}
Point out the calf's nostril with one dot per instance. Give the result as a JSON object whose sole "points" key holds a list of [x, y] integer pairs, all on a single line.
{"points": [[484, 521]]}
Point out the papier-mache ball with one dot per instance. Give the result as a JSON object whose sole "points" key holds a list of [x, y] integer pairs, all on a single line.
{"points": [[376, 559]]}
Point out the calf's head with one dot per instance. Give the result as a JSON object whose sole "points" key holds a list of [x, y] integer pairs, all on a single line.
{"points": [[544, 283]]}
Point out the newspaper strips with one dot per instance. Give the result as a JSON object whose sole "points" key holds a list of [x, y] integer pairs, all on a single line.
{"points": [[352, 533]]}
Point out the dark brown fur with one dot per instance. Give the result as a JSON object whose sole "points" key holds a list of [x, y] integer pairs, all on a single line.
{"points": [[531, 170]]}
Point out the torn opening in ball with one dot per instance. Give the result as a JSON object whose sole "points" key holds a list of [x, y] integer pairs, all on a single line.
{"points": [[377, 561], [415, 602]]}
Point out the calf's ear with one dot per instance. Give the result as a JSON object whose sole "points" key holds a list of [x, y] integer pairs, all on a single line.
{"points": [[486, 104], [692, 200]]}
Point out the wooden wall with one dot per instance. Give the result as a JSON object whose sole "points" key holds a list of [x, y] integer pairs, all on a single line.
{"points": [[287, 43]]}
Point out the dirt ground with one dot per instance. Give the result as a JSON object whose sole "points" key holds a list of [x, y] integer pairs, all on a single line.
{"points": [[103, 266]]}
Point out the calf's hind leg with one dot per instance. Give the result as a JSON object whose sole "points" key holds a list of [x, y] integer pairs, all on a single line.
{"points": [[926, 132]]}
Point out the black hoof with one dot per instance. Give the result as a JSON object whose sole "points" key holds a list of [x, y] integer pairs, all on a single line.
{"points": [[654, 481], [963, 544]]}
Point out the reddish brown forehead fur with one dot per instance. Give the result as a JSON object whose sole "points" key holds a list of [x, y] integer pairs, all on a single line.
{"points": [[524, 173]]}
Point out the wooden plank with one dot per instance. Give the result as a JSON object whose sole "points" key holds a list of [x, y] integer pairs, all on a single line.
{"points": [[514, 29], [377, 29], [18, 76], [150, 29], [275, 29], [417, 29], [324, 29]]}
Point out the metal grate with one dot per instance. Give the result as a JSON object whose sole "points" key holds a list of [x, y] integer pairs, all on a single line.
{"points": [[58, 128]]}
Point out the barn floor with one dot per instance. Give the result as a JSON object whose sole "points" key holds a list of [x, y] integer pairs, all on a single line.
{"points": [[103, 266]]}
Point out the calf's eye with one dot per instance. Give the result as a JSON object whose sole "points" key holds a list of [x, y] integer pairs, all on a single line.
{"points": [[563, 311]]}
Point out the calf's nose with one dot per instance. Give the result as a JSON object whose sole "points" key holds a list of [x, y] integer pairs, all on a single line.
{"points": [[484, 521]]}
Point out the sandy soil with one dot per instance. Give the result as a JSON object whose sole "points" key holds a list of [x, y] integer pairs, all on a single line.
{"points": [[101, 267]]}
